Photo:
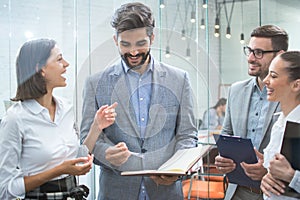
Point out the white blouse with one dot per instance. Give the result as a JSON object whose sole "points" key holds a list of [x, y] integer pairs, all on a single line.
{"points": [[274, 147], [32, 143]]}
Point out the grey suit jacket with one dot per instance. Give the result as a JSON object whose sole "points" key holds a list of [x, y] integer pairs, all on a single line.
{"points": [[236, 117], [171, 126]]}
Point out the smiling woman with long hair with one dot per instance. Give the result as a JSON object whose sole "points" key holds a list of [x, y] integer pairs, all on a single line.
{"points": [[283, 85]]}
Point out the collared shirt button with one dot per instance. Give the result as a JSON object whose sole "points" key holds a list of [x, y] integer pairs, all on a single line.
{"points": [[141, 99], [143, 119]]}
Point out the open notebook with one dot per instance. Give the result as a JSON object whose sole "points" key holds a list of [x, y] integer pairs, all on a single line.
{"points": [[179, 164]]}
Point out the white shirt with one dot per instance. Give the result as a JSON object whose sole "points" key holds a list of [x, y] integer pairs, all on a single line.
{"points": [[32, 143], [274, 147]]}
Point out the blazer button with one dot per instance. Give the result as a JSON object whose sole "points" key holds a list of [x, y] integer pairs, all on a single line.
{"points": [[144, 150]]}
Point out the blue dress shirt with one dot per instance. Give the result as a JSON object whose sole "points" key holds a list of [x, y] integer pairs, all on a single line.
{"points": [[140, 90], [259, 105]]}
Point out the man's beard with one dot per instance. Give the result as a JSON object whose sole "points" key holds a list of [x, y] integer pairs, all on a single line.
{"points": [[138, 66], [260, 73]]}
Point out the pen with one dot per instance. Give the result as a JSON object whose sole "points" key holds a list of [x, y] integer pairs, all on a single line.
{"points": [[140, 155]]}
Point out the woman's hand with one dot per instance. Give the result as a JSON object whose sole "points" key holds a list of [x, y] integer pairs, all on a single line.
{"points": [[270, 185], [105, 116], [281, 169], [77, 166]]}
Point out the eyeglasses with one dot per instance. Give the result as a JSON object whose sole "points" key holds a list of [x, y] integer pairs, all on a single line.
{"points": [[258, 53]]}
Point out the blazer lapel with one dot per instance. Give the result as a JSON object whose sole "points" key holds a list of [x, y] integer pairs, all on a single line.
{"points": [[155, 122], [243, 111], [273, 107], [121, 94]]}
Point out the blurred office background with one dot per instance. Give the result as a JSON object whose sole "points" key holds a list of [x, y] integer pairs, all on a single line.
{"points": [[186, 37]]}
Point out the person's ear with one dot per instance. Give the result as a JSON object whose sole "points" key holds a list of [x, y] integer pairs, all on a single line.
{"points": [[115, 39], [43, 72], [152, 39], [296, 85], [280, 52]]}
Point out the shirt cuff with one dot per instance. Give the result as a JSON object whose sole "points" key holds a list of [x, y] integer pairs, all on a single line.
{"points": [[16, 187], [83, 151], [295, 183]]}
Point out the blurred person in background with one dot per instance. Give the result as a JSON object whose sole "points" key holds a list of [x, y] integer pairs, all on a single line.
{"points": [[213, 117]]}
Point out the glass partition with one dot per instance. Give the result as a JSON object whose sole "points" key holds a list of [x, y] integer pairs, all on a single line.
{"points": [[185, 37]]}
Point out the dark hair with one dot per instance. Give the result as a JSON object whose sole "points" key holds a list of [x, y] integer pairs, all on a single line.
{"points": [[221, 102], [32, 56], [279, 37], [293, 69], [133, 15]]}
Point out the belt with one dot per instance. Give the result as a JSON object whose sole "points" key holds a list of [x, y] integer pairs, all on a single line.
{"points": [[59, 185], [252, 189], [78, 193]]}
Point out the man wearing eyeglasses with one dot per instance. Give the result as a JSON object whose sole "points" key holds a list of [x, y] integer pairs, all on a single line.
{"points": [[248, 112]]}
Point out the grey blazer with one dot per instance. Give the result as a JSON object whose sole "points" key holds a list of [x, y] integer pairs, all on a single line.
{"points": [[171, 126], [236, 117]]}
